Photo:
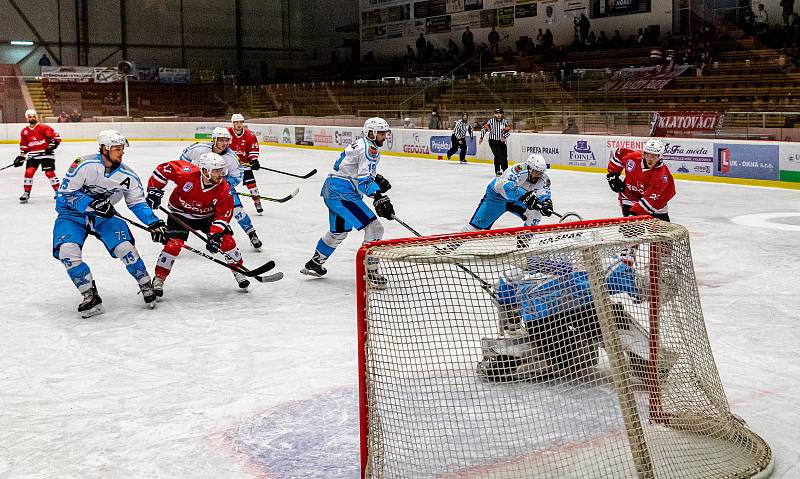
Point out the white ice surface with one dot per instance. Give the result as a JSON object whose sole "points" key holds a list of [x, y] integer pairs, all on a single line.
{"points": [[216, 383]]}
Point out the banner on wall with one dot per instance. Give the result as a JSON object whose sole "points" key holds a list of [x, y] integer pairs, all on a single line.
{"points": [[455, 6], [505, 17], [173, 75], [790, 156], [644, 78], [549, 147], [583, 151], [440, 144], [525, 11], [437, 24], [681, 122], [473, 5], [463, 20], [68, 74], [488, 18], [430, 8], [745, 160], [607, 8], [689, 157], [413, 141], [107, 75]]}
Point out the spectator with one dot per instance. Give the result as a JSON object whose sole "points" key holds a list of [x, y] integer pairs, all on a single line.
{"points": [[408, 123], [583, 27], [640, 37], [572, 128], [749, 21], [494, 41], [468, 42], [452, 48], [45, 60], [75, 116], [591, 40], [539, 39], [602, 40], [436, 121], [63, 117], [409, 52], [788, 10], [421, 44], [762, 19], [548, 38], [616, 40]]}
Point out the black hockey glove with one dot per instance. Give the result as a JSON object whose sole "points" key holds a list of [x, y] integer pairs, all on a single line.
{"points": [[19, 161], [214, 242], [255, 165], [547, 207], [50, 149], [530, 201], [103, 207], [158, 232], [382, 183], [154, 196], [615, 183], [383, 207]]}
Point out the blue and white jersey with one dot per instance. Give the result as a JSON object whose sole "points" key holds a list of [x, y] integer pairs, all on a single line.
{"points": [[353, 174], [515, 183], [87, 180], [192, 154]]}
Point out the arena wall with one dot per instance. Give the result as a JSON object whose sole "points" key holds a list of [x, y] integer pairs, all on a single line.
{"points": [[764, 163]]}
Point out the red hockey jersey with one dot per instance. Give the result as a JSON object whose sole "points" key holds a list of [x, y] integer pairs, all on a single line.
{"points": [[189, 198], [37, 139], [245, 145], [647, 190]]}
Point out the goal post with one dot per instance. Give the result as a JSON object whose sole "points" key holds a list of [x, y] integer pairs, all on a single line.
{"points": [[573, 350]]}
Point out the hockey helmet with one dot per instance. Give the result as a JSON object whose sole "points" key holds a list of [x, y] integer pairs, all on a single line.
{"points": [[211, 161], [375, 124], [109, 138], [30, 112], [220, 132], [654, 146], [536, 163], [237, 117]]}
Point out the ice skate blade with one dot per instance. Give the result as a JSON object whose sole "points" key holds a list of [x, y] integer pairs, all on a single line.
{"points": [[308, 272], [96, 311]]}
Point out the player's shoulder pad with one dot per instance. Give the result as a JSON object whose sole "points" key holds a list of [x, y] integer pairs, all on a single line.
{"points": [[518, 168]]}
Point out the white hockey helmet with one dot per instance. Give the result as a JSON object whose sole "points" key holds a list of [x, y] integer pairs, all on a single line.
{"points": [[654, 146], [109, 138], [211, 161], [536, 163], [30, 112], [220, 132], [375, 124], [237, 117]]}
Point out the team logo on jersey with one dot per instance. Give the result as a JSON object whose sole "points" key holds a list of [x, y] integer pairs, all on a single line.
{"points": [[74, 165], [630, 165], [664, 179], [187, 187], [187, 169], [372, 150]]}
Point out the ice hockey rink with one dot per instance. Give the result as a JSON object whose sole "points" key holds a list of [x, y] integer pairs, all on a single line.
{"points": [[219, 383]]}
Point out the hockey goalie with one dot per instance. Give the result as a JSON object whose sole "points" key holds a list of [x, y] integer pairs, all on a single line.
{"points": [[548, 324]]}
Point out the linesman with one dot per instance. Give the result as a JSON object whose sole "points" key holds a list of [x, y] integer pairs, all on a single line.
{"points": [[499, 131], [461, 129]]}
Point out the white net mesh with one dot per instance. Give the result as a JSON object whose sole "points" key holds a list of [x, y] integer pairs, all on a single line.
{"points": [[570, 351]]}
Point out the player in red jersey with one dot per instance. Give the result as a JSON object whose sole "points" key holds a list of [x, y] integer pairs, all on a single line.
{"points": [[245, 144], [203, 200], [37, 142], [648, 184]]}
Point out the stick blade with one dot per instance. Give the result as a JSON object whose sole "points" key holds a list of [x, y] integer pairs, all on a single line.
{"points": [[310, 173], [270, 278], [260, 270]]}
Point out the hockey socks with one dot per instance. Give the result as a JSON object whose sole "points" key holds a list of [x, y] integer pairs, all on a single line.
{"points": [[126, 252], [243, 219]]}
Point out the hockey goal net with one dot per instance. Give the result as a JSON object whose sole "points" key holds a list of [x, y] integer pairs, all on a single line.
{"points": [[574, 350]]}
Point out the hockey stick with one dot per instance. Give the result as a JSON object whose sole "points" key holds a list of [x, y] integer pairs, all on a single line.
{"points": [[5, 167], [251, 273], [484, 284], [568, 215], [276, 200], [307, 175]]}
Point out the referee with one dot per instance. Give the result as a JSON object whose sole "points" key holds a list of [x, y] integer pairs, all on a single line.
{"points": [[499, 131], [458, 139]]}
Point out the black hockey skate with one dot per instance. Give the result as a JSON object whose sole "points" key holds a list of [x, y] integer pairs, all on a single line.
{"points": [[158, 286], [148, 294], [25, 196], [92, 304], [242, 280], [259, 208], [312, 268], [254, 239]]}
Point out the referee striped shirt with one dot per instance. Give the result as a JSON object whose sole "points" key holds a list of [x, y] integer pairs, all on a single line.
{"points": [[461, 129], [497, 129]]}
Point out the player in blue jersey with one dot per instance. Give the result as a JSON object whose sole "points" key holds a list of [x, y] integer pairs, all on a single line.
{"points": [[354, 175], [85, 205], [523, 189], [220, 140]]}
